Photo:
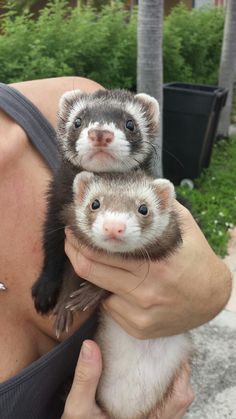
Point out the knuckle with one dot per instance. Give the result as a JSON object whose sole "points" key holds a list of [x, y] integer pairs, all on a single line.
{"points": [[142, 322], [146, 299], [82, 377]]}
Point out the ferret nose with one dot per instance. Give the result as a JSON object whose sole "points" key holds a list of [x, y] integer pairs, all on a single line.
{"points": [[114, 229], [100, 137]]}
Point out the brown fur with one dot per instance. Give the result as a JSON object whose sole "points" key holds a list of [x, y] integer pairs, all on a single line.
{"points": [[161, 247]]}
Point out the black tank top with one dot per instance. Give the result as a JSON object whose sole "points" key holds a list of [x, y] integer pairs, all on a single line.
{"points": [[37, 392]]}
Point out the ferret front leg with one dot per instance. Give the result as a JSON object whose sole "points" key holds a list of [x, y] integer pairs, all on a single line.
{"points": [[76, 295], [87, 296], [46, 289]]}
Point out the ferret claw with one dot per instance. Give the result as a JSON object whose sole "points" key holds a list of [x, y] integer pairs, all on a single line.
{"points": [[63, 321], [86, 297]]}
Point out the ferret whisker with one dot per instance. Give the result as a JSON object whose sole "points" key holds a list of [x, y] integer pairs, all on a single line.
{"points": [[62, 119], [174, 157], [146, 258], [60, 228], [56, 229], [136, 161], [154, 148]]}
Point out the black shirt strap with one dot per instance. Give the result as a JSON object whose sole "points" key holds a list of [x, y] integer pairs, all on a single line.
{"points": [[28, 116]]}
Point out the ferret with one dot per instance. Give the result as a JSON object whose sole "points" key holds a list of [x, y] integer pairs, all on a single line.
{"points": [[105, 131], [131, 216]]}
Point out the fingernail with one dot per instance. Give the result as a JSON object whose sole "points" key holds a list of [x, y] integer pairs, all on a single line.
{"points": [[86, 352]]}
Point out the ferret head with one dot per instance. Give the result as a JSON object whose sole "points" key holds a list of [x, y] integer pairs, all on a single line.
{"points": [[125, 215], [108, 131]]}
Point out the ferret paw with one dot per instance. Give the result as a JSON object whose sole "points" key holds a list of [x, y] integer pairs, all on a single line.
{"points": [[45, 293], [87, 296]]}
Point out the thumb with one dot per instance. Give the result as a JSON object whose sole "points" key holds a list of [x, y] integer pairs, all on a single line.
{"points": [[81, 399]]}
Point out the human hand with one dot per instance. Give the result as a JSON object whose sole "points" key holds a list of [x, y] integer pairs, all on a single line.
{"points": [[155, 299], [80, 403]]}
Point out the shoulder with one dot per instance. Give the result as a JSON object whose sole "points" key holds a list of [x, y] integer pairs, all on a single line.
{"points": [[45, 93], [13, 140]]}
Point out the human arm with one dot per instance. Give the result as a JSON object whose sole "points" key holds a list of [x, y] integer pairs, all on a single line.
{"points": [[155, 299]]}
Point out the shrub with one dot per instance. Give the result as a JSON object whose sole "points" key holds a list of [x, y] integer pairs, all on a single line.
{"points": [[102, 45], [214, 198], [66, 41], [192, 44]]}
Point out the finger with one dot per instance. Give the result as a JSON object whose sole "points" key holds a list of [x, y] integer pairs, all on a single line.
{"points": [[143, 323], [81, 398], [116, 280], [132, 319]]}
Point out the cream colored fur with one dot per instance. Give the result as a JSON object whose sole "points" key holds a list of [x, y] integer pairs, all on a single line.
{"points": [[136, 373]]}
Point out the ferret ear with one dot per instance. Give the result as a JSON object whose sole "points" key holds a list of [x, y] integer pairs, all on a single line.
{"points": [[80, 184], [151, 103], [165, 192], [68, 98]]}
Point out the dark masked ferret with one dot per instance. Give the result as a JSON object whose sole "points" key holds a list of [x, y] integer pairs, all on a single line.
{"points": [[132, 216], [106, 131]]}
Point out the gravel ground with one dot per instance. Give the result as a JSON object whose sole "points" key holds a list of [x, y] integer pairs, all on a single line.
{"points": [[214, 364], [214, 369]]}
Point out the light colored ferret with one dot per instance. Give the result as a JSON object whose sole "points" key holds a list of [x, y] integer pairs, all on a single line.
{"points": [[133, 217]]}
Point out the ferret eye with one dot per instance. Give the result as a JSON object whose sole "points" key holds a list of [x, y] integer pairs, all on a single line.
{"points": [[95, 205], [130, 125], [77, 122], [143, 209]]}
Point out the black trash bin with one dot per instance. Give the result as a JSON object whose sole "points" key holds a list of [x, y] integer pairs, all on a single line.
{"points": [[190, 118]]}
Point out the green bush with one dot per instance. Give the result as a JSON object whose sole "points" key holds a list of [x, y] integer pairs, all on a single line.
{"points": [[102, 45], [66, 41], [192, 44], [213, 198]]}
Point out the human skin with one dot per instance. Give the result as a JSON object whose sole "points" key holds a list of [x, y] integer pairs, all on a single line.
{"points": [[164, 298], [24, 178]]}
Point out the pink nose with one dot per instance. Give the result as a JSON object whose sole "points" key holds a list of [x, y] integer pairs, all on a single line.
{"points": [[100, 137], [114, 229]]}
